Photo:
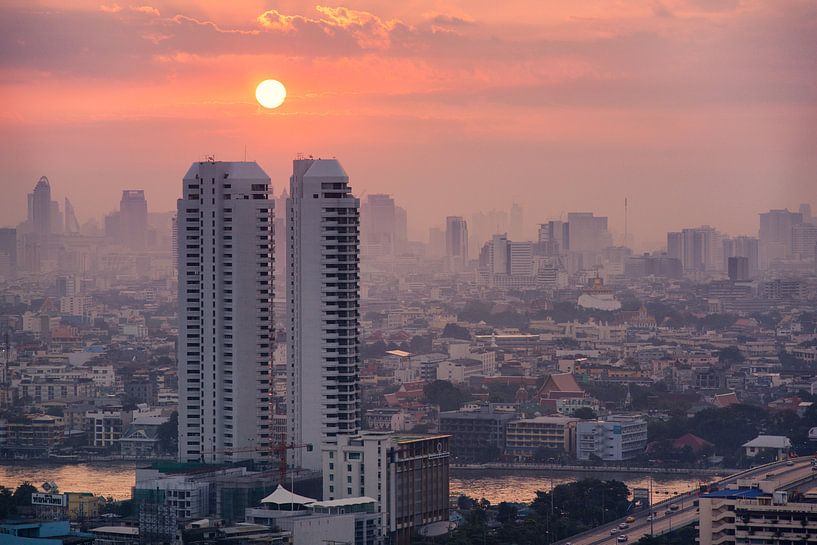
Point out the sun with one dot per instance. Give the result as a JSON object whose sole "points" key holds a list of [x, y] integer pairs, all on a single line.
{"points": [[270, 93]]}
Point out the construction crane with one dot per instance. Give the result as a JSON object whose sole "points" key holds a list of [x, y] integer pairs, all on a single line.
{"points": [[280, 449]]}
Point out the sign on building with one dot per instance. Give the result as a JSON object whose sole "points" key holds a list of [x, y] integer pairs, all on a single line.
{"points": [[56, 500]]}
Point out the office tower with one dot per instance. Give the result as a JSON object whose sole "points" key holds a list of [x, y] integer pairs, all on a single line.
{"points": [[805, 212], [56, 220], [133, 218], [323, 302], [588, 233], [378, 218], [675, 245], [39, 209], [225, 264], [738, 269], [71, 223], [400, 229], [554, 237], [8, 252], [456, 242], [743, 246], [775, 235], [517, 227], [803, 240], [699, 249]]}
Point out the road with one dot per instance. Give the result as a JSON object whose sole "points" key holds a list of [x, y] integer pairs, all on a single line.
{"points": [[686, 513]]}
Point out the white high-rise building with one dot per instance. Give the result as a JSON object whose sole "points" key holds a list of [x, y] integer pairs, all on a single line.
{"points": [[323, 302], [225, 265]]}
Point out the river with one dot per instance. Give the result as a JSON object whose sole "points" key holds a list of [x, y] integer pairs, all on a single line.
{"points": [[115, 479]]}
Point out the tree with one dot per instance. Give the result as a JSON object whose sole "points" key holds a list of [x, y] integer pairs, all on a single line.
{"points": [[456, 331], [585, 413], [730, 355], [22, 495], [168, 433], [506, 512], [444, 394]]}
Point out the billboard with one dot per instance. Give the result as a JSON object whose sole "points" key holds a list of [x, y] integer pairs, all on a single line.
{"points": [[56, 500]]}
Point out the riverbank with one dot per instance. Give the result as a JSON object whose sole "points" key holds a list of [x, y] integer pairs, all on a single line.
{"points": [[591, 469]]}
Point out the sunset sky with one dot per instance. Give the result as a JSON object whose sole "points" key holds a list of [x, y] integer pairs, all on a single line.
{"points": [[698, 111]]}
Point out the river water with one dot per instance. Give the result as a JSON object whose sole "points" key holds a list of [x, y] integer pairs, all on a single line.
{"points": [[115, 479]]}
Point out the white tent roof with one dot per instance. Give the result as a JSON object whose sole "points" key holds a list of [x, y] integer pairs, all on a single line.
{"points": [[282, 496]]}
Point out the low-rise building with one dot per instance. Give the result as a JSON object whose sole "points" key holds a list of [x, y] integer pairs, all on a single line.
{"points": [[477, 433], [554, 433], [615, 438]]}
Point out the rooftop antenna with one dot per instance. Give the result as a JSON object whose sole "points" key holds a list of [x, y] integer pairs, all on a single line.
{"points": [[626, 238], [245, 153]]}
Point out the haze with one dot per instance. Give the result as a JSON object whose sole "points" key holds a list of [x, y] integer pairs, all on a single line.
{"points": [[697, 111]]}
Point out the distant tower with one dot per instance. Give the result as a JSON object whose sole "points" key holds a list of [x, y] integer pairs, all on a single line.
{"points": [[323, 301], [133, 218], [456, 242], [39, 208], [223, 223], [71, 223]]}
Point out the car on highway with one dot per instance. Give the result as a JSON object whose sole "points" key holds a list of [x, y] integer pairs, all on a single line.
{"points": [[652, 517], [623, 526], [614, 531], [789, 463], [630, 519], [674, 507], [623, 538]]}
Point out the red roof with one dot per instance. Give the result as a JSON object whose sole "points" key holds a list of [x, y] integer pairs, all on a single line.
{"points": [[692, 441]]}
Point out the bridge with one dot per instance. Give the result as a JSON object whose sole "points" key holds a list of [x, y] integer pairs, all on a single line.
{"points": [[681, 510]]}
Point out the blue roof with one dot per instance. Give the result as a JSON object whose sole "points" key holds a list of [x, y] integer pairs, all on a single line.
{"points": [[736, 493]]}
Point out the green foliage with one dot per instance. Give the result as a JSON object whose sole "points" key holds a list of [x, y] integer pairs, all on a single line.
{"points": [[456, 331], [444, 394], [585, 413], [730, 355], [11, 501], [569, 509], [168, 433]]}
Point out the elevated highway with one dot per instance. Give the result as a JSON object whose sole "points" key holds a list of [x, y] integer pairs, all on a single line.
{"points": [[680, 510]]}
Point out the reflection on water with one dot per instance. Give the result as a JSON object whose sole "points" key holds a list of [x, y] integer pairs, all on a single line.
{"points": [[102, 478], [521, 486], [116, 479]]}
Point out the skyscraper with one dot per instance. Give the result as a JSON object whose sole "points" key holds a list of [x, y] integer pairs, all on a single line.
{"points": [[133, 218], [225, 264], [378, 225], [588, 233], [775, 235], [323, 302], [39, 208], [456, 242], [8, 252]]}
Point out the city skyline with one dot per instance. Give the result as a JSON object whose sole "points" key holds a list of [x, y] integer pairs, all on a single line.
{"points": [[667, 99]]}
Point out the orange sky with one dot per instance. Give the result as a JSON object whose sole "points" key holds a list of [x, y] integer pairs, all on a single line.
{"points": [[699, 111]]}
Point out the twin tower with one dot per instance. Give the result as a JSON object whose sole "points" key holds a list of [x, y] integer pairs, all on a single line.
{"points": [[225, 237]]}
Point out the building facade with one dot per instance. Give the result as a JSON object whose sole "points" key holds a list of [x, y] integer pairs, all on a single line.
{"points": [[323, 302], [225, 261]]}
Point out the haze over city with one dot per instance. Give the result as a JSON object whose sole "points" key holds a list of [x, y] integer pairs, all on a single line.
{"points": [[699, 112], [421, 272]]}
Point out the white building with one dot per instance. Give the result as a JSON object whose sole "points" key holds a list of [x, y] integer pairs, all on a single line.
{"points": [[406, 474], [225, 260], [615, 438], [323, 301]]}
